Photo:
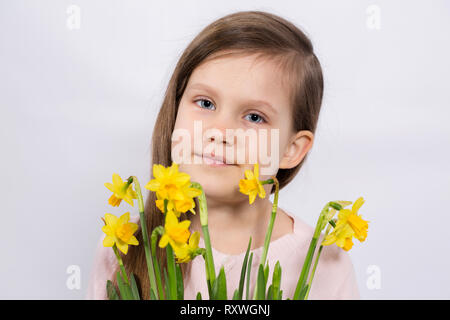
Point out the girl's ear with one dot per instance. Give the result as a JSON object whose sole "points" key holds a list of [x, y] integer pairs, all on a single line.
{"points": [[296, 150]]}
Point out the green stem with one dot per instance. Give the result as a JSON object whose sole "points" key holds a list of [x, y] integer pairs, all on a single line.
{"points": [[268, 181], [211, 274], [313, 272], [270, 227], [122, 268], [157, 231], [309, 255], [271, 223], [311, 277], [171, 271], [209, 259], [148, 255]]}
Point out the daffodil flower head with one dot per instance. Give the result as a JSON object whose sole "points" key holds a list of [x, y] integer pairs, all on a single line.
{"points": [[188, 251], [176, 233], [251, 185], [349, 224], [119, 231], [182, 204], [174, 186], [168, 182], [121, 191]]}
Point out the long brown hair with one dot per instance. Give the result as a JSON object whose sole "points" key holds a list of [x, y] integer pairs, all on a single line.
{"points": [[244, 32]]}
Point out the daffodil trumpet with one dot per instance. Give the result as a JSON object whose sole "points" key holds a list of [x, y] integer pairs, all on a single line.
{"points": [[148, 254]]}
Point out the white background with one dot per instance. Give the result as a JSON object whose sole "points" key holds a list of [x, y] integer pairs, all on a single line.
{"points": [[80, 104]]}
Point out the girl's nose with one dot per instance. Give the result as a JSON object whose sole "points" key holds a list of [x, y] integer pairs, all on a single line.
{"points": [[220, 131], [220, 136]]}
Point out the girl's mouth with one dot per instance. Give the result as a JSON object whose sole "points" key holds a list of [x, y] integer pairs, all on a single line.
{"points": [[213, 161]]}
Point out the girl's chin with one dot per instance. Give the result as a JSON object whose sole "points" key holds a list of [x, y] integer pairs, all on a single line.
{"points": [[228, 195], [205, 173]]}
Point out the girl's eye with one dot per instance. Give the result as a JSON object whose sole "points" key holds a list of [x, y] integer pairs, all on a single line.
{"points": [[204, 103], [256, 118]]}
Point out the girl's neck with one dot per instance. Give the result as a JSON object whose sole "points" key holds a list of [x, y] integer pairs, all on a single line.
{"points": [[231, 224]]}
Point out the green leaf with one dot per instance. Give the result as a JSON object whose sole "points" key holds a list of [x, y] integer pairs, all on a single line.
{"points": [[199, 296], [249, 269], [276, 280], [236, 295], [172, 272], [306, 266], [243, 269], [166, 284], [266, 273], [261, 286], [270, 293], [112, 293], [125, 290], [134, 288], [158, 276], [220, 286], [152, 295], [180, 285], [303, 292]]}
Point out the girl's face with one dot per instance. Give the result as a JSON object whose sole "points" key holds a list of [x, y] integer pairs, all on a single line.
{"points": [[230, 93]]}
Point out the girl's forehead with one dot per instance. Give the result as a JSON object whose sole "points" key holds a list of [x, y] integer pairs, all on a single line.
{"points": [[248, 73]]}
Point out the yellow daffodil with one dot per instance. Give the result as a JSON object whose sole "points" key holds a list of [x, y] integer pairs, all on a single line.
{"points": [[251, 185], [176, 233], [174, 186], [349, 225], [121, 191], [168, 182], [119, 231], [188, 251], [179, 205]]}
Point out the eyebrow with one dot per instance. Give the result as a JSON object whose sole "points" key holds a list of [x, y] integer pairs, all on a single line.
{"points": [[203, 86]]}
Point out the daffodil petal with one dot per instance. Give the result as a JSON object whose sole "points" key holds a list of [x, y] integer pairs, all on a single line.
{"points": [[109, 186], [133, 241], [194, 239], [108, 230], [252, 197], [256, 171], [124, 218], [248, 175], [108, 241], [358, 203], [158, 171], [122, 246], [164, 241], [153, 185], [185, 224], [110, 219], [117, 180]]}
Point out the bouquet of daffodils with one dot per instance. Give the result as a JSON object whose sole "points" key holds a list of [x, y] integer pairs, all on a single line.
{"points": [[175, 194]]}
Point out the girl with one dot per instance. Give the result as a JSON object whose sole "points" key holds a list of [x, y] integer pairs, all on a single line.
{"points": [[250, 71]]}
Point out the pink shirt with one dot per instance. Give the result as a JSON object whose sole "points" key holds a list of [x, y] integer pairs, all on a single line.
{"points": [[334, 278]]}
